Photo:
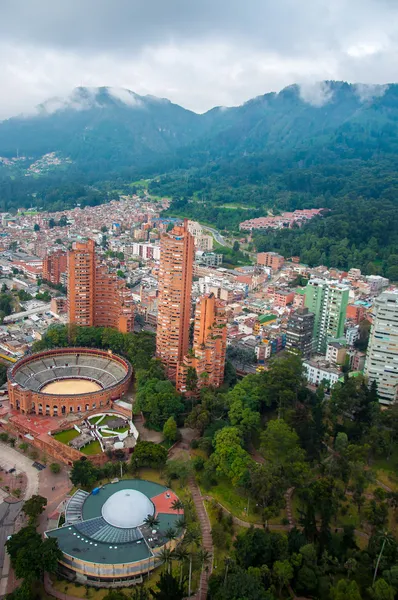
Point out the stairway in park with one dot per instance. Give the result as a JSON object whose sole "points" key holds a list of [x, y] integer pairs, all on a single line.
{"points": [[207, 540]]}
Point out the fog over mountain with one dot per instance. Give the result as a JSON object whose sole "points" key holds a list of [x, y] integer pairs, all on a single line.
{"points": [[198, 53], [123, 128]]}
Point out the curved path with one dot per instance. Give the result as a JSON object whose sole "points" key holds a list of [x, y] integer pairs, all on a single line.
{"points": [[274, 527]]}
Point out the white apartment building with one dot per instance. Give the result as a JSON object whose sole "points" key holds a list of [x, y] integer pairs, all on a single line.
{"points": [[146, 251], [320, 371], [352, 334], [202, 241], [382, 355], [376, 283]]}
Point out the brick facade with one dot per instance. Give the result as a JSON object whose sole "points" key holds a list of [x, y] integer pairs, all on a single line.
{"points": [[174, 304], [95, 297], [53, 265], [35, 402], [209, 345]]}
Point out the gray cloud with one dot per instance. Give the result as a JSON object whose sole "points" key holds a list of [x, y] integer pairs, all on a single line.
{"points": [[198, 53]]}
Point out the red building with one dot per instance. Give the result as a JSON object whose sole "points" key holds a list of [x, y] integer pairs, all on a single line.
{"points": [[96, 297], [209, 345], [355, 312], [174, 301], [283, 297], [53, 265], [270, 259]]}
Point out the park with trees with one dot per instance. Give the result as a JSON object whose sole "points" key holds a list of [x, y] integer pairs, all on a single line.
{"points": [[300, 485]]}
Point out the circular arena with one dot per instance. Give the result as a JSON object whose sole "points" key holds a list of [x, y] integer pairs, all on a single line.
{"points": [[67, 380], [114, 534]]}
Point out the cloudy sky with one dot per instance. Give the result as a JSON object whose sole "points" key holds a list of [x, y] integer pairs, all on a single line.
{"points": [[198, 53]]}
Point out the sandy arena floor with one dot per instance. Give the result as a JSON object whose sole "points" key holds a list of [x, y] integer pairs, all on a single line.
{"points": [[71, 386]]}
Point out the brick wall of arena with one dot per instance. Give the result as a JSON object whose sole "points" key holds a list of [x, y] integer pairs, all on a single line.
{"points": [[52, 447], [30, 402]]}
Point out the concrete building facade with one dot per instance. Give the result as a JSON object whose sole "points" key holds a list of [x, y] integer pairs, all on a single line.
{"points": [[96, 297], [382, 355], [299, 332], [336, 353], [319, 371], [202, 241], [174, 299], [328, 301], [209, 345]]}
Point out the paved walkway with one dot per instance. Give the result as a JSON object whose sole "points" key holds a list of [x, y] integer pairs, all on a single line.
{"points": [[11, 512], [21, 463], [207, 540], [61, 484]]}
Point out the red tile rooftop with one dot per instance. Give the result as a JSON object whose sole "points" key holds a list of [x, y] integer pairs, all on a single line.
{"points": [[163, 502], [36, 424]]}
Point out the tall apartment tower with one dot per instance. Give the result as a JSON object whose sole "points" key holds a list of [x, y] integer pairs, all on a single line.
{"points": [[382, 354], [328, 301], [174, 301], [299, 332], [96, 297], [209, 345], [53, 265]]}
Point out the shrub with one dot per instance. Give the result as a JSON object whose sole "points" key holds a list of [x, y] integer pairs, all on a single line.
{"points": [[198, 463]]}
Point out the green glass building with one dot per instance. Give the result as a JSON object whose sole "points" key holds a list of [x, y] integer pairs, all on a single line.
{"points": [[328, 301]]}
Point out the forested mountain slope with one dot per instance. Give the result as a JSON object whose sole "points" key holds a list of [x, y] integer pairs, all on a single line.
{"points": [[337, 148]]}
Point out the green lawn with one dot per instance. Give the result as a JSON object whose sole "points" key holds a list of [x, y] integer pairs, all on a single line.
{"points": [[227, 495], [94, 420], [92, 448], [108, 418], [386, 470], [66, 436]]}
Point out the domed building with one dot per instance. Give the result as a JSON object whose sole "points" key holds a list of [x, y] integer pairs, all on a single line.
{"points": [[108, 537]]}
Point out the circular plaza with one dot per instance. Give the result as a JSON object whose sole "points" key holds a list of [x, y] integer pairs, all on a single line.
{"points": [[67, 380], [115, 533]]}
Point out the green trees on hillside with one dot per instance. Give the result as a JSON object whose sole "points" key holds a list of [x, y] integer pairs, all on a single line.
{"points": [[138, 348]]}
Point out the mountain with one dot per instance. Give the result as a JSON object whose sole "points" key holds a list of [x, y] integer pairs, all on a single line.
{"points": [[331, 145], [110, 125], [111, 128]]}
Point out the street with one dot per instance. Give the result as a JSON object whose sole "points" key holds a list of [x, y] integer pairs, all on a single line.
{"points": [[217, 236]]}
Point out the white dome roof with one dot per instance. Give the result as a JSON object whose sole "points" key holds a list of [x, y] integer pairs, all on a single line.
{"points": [[127, 508]]}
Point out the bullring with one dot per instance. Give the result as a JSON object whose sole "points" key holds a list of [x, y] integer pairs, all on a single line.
{"points": [[67, 380]]}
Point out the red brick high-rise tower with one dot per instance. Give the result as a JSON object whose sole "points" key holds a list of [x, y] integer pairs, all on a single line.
{"points": [[174, 304], [209, 345], [53, 265], [96, 297]]}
